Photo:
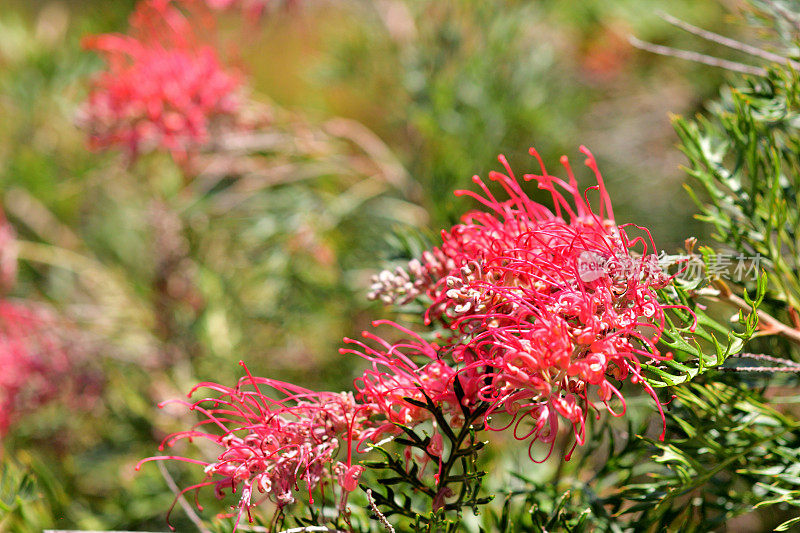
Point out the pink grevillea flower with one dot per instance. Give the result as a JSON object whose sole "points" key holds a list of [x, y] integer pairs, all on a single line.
{"points": [[40, 354], [408, 379], [408, 369], [154, 97], [555, 307], [34, 358], [268, 446], [164, 86]]}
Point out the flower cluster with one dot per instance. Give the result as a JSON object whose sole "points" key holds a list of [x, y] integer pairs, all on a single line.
{"points": [[38, 352], [542, 315], [268, 445], [163, 87], [411, 369], [517, 287], [34, 359]]}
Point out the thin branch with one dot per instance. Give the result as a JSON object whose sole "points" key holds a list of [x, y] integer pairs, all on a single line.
{"points": [[378, 152], [382, 519], [40, 219], [790, 17], [727, 41], [763, 369], [181, 500], [697, 57], [764, 357]]}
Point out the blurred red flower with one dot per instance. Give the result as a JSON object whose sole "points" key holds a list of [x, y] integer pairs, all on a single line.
{"points": [[164, 85]]}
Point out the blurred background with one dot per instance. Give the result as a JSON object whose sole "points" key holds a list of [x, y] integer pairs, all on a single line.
{"points": [[151, 274]]}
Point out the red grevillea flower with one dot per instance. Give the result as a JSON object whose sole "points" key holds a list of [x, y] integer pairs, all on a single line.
{"points": [[34, 358], [413, 368], [153, 97], [554, 307], [162, 89], [407, 379], [40, 353], [269, 445]]}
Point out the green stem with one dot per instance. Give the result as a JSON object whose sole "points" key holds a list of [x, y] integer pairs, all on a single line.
{"points": [[455, 454]]}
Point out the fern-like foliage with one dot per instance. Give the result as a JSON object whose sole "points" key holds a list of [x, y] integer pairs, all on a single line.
{"points": [[746, 158]]}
